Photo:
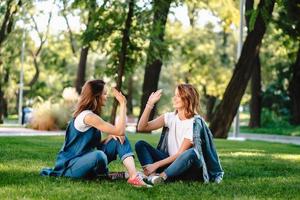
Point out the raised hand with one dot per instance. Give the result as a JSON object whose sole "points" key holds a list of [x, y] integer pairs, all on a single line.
{"points": [[119, 96], [154, 97]]}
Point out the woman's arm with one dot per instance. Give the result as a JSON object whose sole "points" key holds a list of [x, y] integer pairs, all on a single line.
{"points": [[186, 144], [118, 129], [144, 124]]}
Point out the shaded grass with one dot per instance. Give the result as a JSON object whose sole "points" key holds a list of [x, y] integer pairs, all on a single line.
{"points": [[253, 170]]}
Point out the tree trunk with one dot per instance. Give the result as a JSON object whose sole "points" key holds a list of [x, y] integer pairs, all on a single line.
{"points": [[255, 102], [122, 56], [37, 71], [5, 30], [80, 78], [155, 52], [294, 90], [129, 96], [234, 92], [81, 69], [1, 104], [210, 104], [5, 105]]}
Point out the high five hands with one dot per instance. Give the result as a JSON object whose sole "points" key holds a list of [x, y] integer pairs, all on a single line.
{"points": [[154, 97]]}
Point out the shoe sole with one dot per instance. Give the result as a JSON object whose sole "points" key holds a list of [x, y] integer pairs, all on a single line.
{"points": [[158, 181]]}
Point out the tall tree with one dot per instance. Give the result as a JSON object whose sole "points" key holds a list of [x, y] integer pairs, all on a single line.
{"points": [[226, 12], [6, 28], [80, 78], [122, 55], [227, 109], [256, 93], [294, 90], [291, 26], [155, 52]]}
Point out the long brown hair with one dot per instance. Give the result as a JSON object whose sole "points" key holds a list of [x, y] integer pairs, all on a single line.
{"points": [[190, 97], [90, 97]]}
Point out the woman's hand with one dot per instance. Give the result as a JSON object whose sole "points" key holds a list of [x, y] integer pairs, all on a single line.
{"points": [[150, 169], [115, 137], [154, 97], [119, 96], [120, 138]]}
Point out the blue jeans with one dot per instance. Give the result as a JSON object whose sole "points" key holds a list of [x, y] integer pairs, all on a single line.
{"points": [[186, 166], [94, 163]]}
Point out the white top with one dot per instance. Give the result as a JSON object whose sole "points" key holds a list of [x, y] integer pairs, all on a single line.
{"points": [[178, 130], [79, 121]]}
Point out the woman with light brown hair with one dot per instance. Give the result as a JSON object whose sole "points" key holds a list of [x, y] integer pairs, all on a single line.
{"points": [[181, 157], [83, 154]]}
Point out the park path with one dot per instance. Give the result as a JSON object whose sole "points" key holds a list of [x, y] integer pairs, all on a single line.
{"points": [[13, 131], [16, 131], [267, 138]]}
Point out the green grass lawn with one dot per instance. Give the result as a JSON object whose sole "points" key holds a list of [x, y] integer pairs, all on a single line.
{"points": [[253, 170]]}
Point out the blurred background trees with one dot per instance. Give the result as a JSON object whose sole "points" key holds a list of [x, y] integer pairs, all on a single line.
{"points": [[141, 46]]}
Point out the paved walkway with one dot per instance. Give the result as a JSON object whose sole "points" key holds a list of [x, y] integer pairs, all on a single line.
{"points": [[12, 131]]}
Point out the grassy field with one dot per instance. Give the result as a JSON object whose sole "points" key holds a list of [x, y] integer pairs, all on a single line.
{"points": [[253, 170]]}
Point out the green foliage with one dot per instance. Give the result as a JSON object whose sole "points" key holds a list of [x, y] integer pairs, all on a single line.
{"points": [[253, 17], [289, 19], [253, 170], [284, 130], [197, 58], [276, 70], [271, 119]]}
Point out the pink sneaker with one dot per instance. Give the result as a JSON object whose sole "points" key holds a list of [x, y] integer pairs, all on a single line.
{"points": [[138, 182]]}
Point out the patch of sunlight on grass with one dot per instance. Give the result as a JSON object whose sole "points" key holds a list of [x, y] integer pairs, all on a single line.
{"points": [[288, 157], [245, 154], [295, 133]]}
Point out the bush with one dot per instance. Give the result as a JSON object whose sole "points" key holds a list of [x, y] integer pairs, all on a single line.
{"points": [[53, 116], [42, 117], [271, 119]]}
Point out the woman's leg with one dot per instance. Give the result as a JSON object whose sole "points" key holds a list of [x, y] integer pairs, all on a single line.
{"points": [[187, 160], [88, 166], [114, 148], [148, 154]]}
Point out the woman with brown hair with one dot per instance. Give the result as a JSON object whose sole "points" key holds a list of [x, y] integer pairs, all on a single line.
{"points": [[180, 158], [83, 155]]}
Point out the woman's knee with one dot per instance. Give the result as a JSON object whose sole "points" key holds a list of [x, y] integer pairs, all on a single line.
{"points": [[140, 144], [100, 158], [188, 155]]}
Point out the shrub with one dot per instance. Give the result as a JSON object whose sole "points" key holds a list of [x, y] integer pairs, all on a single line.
{"points": [[271, 119], [53, 116], [42, 117]]}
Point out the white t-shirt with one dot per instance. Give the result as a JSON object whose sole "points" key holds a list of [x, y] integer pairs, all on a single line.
{"points": [[79, 121], [178, 130]]}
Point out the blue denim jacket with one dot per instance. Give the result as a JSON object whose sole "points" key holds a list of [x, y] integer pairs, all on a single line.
{"points": [[76, 144], [204, 147]]}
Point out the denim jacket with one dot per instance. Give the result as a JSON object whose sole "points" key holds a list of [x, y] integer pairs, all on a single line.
{"points": [[204, 147]]}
